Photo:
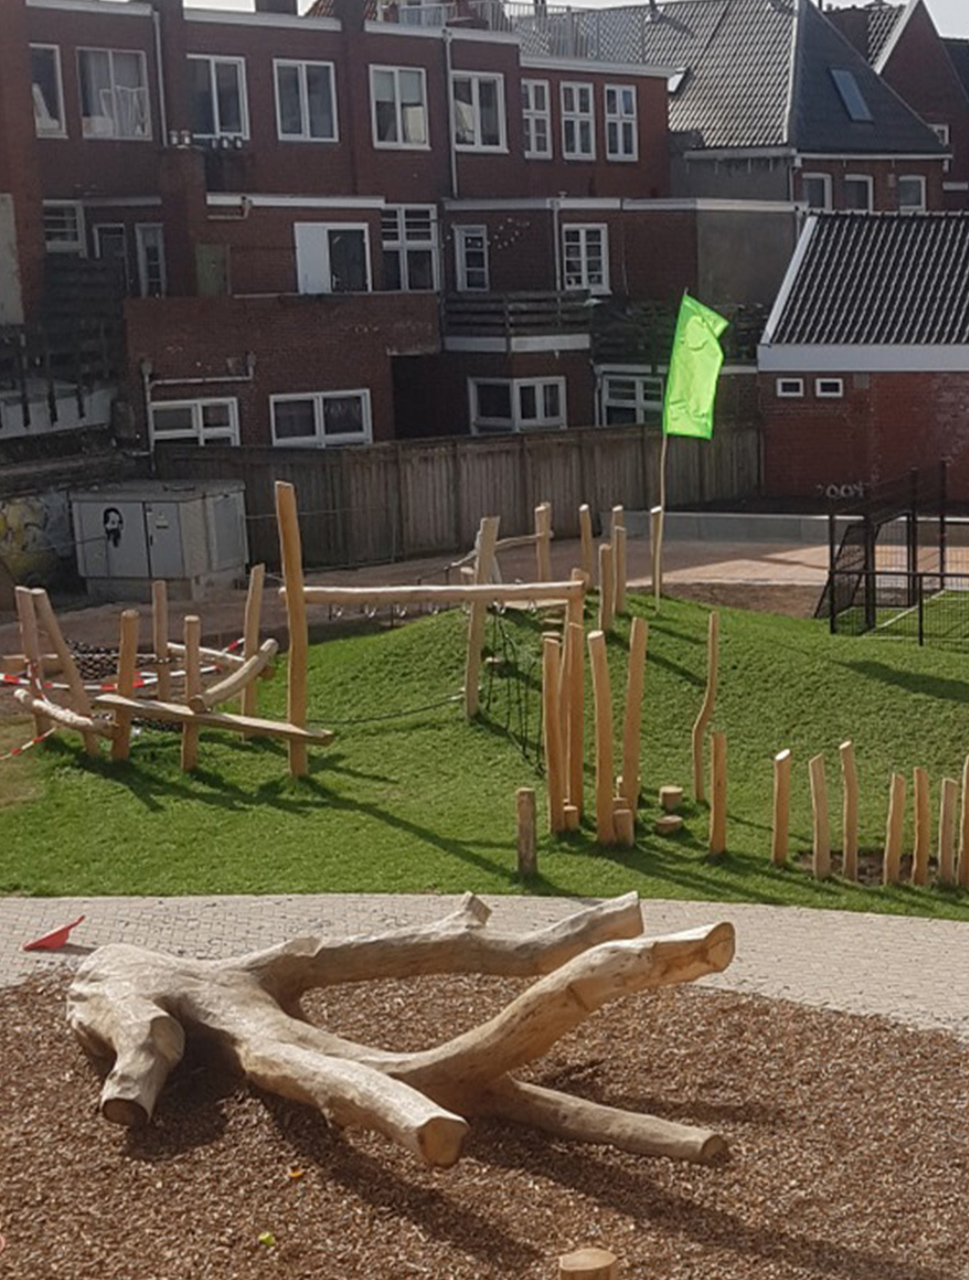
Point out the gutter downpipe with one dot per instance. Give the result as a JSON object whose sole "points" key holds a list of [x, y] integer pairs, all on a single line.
{"points": [[452, 153], [160, 64]]}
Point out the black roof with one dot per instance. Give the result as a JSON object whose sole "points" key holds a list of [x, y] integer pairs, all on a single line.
{"points": [[877, 279]]}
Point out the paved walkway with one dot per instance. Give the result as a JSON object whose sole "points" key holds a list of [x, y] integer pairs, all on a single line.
{"points": [[913, 971]]}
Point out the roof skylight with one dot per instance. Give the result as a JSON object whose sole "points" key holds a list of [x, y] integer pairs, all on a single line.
{"points": [[851, 96]]}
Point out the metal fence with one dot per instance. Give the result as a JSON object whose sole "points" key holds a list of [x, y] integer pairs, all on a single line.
{"points": [[930, 607]]}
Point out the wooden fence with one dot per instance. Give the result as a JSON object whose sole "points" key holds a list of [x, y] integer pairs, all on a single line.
{"points": [[409, 498]]}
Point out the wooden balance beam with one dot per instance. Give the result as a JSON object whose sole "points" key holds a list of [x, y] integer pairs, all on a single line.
{"points": [[178, 713]]}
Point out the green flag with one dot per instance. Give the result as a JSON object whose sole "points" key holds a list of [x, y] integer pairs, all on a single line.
{"points": [[694, 368]]}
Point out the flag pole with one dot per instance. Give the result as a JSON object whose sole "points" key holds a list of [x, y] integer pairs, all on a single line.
{"points": [[661, 517]]}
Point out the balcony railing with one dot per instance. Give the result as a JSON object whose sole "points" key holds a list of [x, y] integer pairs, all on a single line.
{"points": [[515, 315]]}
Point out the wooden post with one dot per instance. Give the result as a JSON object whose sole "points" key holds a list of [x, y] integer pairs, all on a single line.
{"points": [[656, 550], [631, 733], [589, 1264], [159, 638], [947, 831], [821, 864], [585, 535], [718, 793], [894, 830], [291, 555], [525, 807], [193, 687], [962, 874], [605, 824], [478, 613], [127, 666], [670, 798], [624, 821], [552, 726], [80, 702], [607, 586], [782, 807], [250, 634], [543, 541], [575, 715], [617, 536], [709, 698], [849, 775], [30, 643], [923, 828]]}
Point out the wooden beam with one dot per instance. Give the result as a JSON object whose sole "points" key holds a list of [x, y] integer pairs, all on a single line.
{"points": [[718, 793], [80, 702], [30, 642], [483, 571], [576, 718], [238, 681], [821, 860], [962, 873], [552, 726], [543, 541], [605, 824], [159, 637], [193, 690], [291, 556], [250, 634], [177, 713], [525, 831], [127, 666], [656, 550], [617, 536], [483, 593], [849, 775], [62, 715], [587, 556], [894, 830], [923, 828], [607, 586], [948, 802]]}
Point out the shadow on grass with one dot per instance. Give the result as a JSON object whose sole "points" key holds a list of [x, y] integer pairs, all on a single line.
{"points": [[913, 682]]}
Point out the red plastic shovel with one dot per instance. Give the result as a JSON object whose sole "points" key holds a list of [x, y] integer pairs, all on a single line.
{"points": [[52, 941]]}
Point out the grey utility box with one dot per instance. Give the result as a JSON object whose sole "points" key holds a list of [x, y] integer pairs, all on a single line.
{"points": [[191, 535]]}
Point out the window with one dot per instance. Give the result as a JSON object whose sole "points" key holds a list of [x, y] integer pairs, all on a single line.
{"points": [[631, 398], [150, 247], [816, 190], [911, 194], [516, 404], [218, 87], [111, 245], [332, 257], [204, 421], [829, 388], [471, 258], [789, 388], [399, 103], [578, 122], [478, 103], [852, 99], [114, 94], [47, 91], [409, 237], [305, 104], [622, 140], [586, 258], [858, 192], [537, 119], [321, 418], [63, 227]]}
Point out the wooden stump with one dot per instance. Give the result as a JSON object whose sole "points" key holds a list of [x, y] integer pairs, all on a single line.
{"points": [[821, 858], [525, 841], [668, 824], [782, 808], [670, 798], [589, 1264]]}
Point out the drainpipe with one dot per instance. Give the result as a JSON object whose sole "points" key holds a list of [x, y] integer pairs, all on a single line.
{"points": [[452, 152], [556, 205], [160, 68]]}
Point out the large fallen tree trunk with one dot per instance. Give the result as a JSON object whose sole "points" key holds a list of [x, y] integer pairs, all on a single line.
{"points": [[136, 1007]]}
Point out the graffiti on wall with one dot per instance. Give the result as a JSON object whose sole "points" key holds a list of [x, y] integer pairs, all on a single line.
{"points": [[35, 537]]}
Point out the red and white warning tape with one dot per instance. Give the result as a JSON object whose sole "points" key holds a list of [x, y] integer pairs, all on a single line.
{"points": [[144, 678], [19, 751]]}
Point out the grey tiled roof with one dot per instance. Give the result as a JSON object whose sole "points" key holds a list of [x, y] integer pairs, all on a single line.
{"points": [[883, 278]]}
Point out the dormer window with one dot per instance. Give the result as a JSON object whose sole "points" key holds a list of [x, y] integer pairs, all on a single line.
{"points": [[852, 99]]}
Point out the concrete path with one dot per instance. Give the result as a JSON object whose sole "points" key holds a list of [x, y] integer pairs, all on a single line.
{"points": [[910, 970]]}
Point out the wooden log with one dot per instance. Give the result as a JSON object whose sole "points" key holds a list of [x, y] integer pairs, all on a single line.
{"points": [[923, 828], [237, 681], [178, 713], [782, 808], [962, 872], [193, 689], [625, 825], [589, 1264], [30, 642], [670, 798], [127, 667], [552, 727], [605, 826], [821, 857], [718, 793], [525, 838], [80, 702], [211, 657], [478, 616], [656, 550], [250, 633], [159, 637], [706, 709], [632, 723], [849, 775], [553, 594], [572, 817], [543, 541], [947, 831], [588, 563], [894, 831], [291, 556], [607, 588], [64, 716]]}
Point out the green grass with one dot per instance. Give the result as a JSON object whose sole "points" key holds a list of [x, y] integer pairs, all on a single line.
{"points": [[425, 802]]}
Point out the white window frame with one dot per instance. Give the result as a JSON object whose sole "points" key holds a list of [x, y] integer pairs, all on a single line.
{"points": [[198, 432], [825, 179], [647, 400], [911, 177], [302, 66], [870, 186], [142, 89], [475, 79], [584, 229], [402, 243], [213, 59], [533, 115], [399, 145], [462, 234], [319, 439], [789, 388], [141, 255], [517, 423], [617, 119], [576, 118], [60, 131], [326, 265], [78, 243], [829, 388]]}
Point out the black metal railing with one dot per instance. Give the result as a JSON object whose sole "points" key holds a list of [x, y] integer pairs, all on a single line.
{"points": [[514, 315], [930, 607]]}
